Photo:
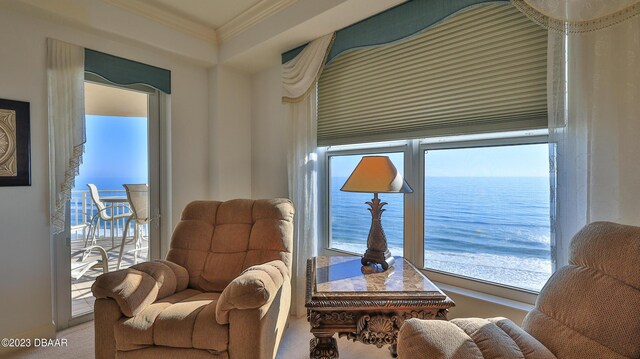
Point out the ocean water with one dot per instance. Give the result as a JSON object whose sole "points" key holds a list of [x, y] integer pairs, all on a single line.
{"points": [[107, 183], [491, 228]]}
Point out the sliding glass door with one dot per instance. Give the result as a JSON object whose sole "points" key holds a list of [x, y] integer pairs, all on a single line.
{"points": [[113, 219]]}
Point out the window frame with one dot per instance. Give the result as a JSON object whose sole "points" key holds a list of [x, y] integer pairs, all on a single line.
{"points": [[324, 222], [414, 157]]}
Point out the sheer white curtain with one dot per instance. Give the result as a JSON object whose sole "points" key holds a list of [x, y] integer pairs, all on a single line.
{"points": [[65, 79], [594, 104], [299, 77]]}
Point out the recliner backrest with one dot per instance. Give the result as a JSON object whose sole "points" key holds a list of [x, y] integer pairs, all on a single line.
{"points": [[215, 241], [591, 307]]}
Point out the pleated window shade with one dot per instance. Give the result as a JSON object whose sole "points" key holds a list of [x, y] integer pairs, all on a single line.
{"points": [[482, 70]]}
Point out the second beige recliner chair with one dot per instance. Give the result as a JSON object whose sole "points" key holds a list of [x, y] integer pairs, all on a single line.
{"points": [[588, 309]]}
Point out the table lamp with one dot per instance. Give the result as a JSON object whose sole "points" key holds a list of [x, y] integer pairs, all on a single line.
{"points": [[376, 174]]}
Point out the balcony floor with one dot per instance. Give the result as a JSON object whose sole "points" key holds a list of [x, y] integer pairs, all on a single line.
{"points": [[81, 297]]}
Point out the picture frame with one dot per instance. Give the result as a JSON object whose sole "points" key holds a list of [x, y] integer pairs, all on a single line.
{"points": [[15, 143]]}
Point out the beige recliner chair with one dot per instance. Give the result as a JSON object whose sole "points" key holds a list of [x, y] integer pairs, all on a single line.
{"points": [[224, 290], [588, 309]]}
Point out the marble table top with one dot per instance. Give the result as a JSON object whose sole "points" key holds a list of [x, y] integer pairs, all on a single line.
{"points": [[337, 276]]}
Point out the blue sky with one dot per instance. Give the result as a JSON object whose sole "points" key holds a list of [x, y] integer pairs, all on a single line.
{"points": [[500, 161], [116, 147]]}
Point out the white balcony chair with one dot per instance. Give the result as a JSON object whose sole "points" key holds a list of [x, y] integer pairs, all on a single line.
{"points": [[80, 267], [103, 215], [138, 196]]}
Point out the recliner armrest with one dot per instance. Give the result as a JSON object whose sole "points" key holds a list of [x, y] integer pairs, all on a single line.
{"points": [[255, 287], [136, 287], [437, 339]]}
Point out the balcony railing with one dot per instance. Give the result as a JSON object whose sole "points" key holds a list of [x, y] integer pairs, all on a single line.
{"points": [[83, 209]]}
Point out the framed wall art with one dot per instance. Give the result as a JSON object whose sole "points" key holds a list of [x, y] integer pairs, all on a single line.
{"points": [[15, 146]]}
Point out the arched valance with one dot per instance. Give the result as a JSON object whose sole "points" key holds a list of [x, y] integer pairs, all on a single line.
{"points": [[482, 70], [122, 71], [392, 25]]}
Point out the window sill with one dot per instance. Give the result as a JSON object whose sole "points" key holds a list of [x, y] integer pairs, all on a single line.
{"points": [[512, 297], [525, 307]]}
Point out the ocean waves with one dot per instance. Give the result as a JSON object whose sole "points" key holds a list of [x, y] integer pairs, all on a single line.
{"points": [[492, 228]]}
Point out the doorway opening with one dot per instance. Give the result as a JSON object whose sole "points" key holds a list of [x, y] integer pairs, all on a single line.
{"points": [[109, 206]]}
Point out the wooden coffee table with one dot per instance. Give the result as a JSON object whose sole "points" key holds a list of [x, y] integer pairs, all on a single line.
{"points": [[369, 308]]}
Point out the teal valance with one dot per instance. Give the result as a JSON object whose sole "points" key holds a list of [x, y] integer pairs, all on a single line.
{"points": [[122, 71], [392, 25]]}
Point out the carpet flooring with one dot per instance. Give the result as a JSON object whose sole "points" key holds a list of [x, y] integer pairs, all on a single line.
{"points": [[294, 345]]}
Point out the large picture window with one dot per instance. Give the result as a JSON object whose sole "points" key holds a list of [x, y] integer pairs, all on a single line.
{"points": [[486, 213], [480, 209]]}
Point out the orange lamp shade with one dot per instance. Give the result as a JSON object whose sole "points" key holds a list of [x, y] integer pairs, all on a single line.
{"points": [[376, 174]]}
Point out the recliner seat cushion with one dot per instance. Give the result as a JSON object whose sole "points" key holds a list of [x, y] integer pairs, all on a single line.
{"points": [[186, 319]]}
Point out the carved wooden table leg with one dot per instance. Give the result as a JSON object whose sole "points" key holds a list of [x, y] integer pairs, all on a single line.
{"points": [[323, 347], [393, 348]]}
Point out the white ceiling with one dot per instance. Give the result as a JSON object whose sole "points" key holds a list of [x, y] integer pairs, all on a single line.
{"points": [[211, 13], [248, 35]]}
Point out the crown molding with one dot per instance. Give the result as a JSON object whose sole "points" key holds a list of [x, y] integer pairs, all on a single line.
{"points": [[251, 17], [167, 18]]}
